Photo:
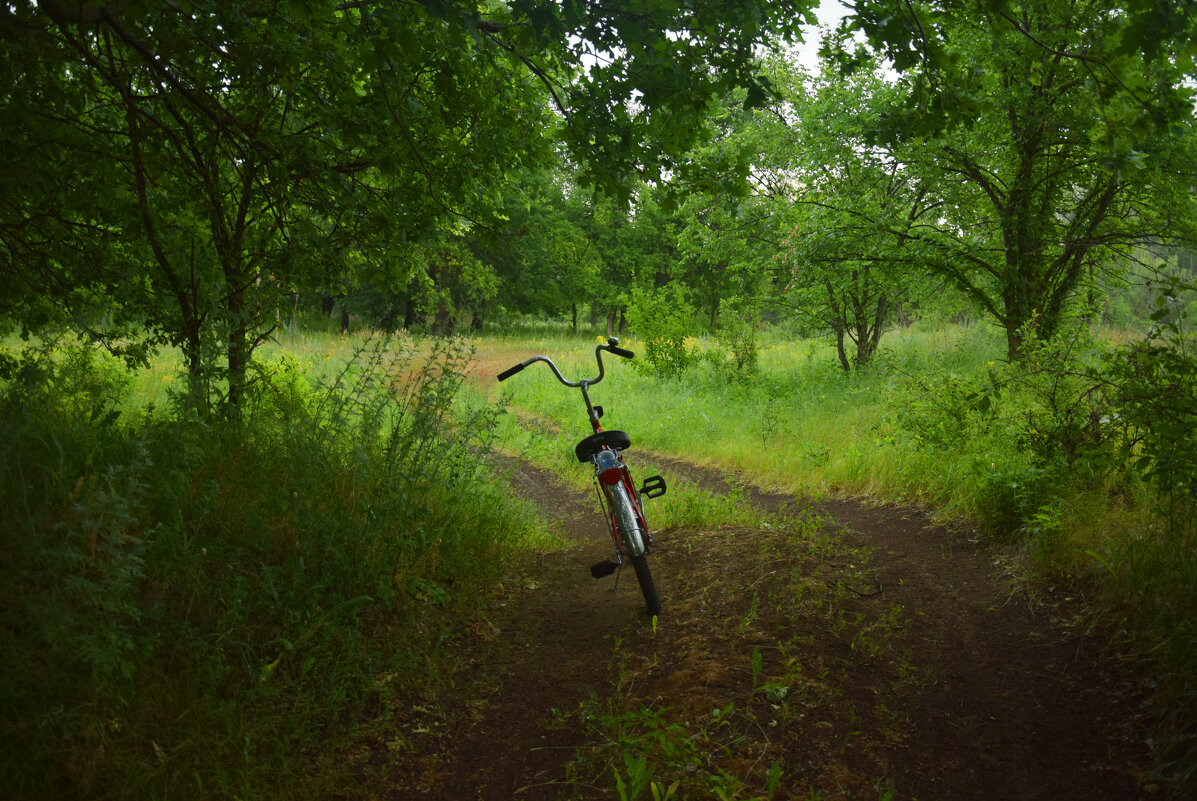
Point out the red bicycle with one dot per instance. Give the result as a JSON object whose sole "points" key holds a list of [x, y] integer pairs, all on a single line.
{"points": [[622, 503]]}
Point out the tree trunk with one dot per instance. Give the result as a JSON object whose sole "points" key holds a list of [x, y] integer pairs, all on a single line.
{"points": [[193, 355], [839, 324], [392, 314], [184, 292], [1014, 341], [839, 349], [237, 346], [409, 311], [869, 335], [294, 314]]}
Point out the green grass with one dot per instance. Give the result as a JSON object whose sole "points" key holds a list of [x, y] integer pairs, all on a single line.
{"points": [[318, 356], [801, 425]]}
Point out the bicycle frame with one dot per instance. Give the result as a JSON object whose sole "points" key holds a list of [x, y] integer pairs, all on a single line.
{"points": [[613, 477]]}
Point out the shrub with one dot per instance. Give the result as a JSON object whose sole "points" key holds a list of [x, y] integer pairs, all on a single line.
{"points": [[663, 319], [1156, 399], [738, 351], [1155, 573], [196, 608], [1046, 419]]}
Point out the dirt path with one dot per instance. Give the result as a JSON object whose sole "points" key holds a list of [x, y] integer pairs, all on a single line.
{"points": [[864, 655]]}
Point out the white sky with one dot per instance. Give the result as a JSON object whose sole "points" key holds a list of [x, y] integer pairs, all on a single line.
{"points": [[829, 13]]}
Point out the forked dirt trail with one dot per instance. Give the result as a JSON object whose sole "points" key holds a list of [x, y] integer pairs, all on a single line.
{"points": [[864, 655]]}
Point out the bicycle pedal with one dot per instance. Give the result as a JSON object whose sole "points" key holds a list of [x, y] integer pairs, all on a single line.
{"points": [[654, 487], [603, 568]]}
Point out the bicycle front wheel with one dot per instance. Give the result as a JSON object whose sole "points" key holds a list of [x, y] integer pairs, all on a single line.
{"points": [[634, 541], [647, 587]]}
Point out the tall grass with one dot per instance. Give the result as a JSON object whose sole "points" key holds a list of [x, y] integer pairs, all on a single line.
{"points": [[197, 609], [799, 424]]}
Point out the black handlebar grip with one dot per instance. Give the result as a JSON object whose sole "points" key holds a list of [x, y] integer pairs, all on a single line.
{"points": [[506, 374], [627, 354]]}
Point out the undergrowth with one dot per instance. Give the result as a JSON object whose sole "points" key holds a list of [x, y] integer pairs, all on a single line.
{"points": [[192, 609]]}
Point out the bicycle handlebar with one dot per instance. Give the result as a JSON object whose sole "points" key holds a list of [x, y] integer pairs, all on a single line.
{"points": [[506, 374], [612, 346]]}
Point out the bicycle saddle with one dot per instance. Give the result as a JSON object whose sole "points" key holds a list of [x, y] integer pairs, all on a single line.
{"points": [[587, 448]]}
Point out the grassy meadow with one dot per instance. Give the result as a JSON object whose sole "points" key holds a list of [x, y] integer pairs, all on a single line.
{"points": [[203, 607], [802, 425]]}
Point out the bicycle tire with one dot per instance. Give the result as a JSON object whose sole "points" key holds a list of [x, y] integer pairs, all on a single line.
{"points": [[648, 588], [633, 535], [626, 515]]}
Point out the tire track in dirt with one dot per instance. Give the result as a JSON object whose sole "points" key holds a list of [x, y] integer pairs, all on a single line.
{"points": [[554, 637], [1013, 705], [1005, 705]]}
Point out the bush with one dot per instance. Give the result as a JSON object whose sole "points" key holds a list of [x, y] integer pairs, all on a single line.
{"points": [[1155, 573], [1047, 421], [1156, 399], [194, 609], [663, 320], [738, 351]]}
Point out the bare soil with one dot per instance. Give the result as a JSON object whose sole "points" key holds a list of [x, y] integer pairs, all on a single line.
{"points": [[841, 651]]}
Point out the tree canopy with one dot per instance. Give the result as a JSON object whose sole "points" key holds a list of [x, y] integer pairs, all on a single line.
{"points": [[1053, 138], [183, 166], [180, 172]]}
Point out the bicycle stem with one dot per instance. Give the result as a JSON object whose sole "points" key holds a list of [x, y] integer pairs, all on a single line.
{"points": [[590, 410], [584, 384]]}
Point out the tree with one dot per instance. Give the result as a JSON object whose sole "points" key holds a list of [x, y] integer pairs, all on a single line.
{"points": [[244, 158], [729, 229], [731, 221], [544, 257], [853, 205], [199, 161], [1053, 135], [633, 246], [825, 217]]}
